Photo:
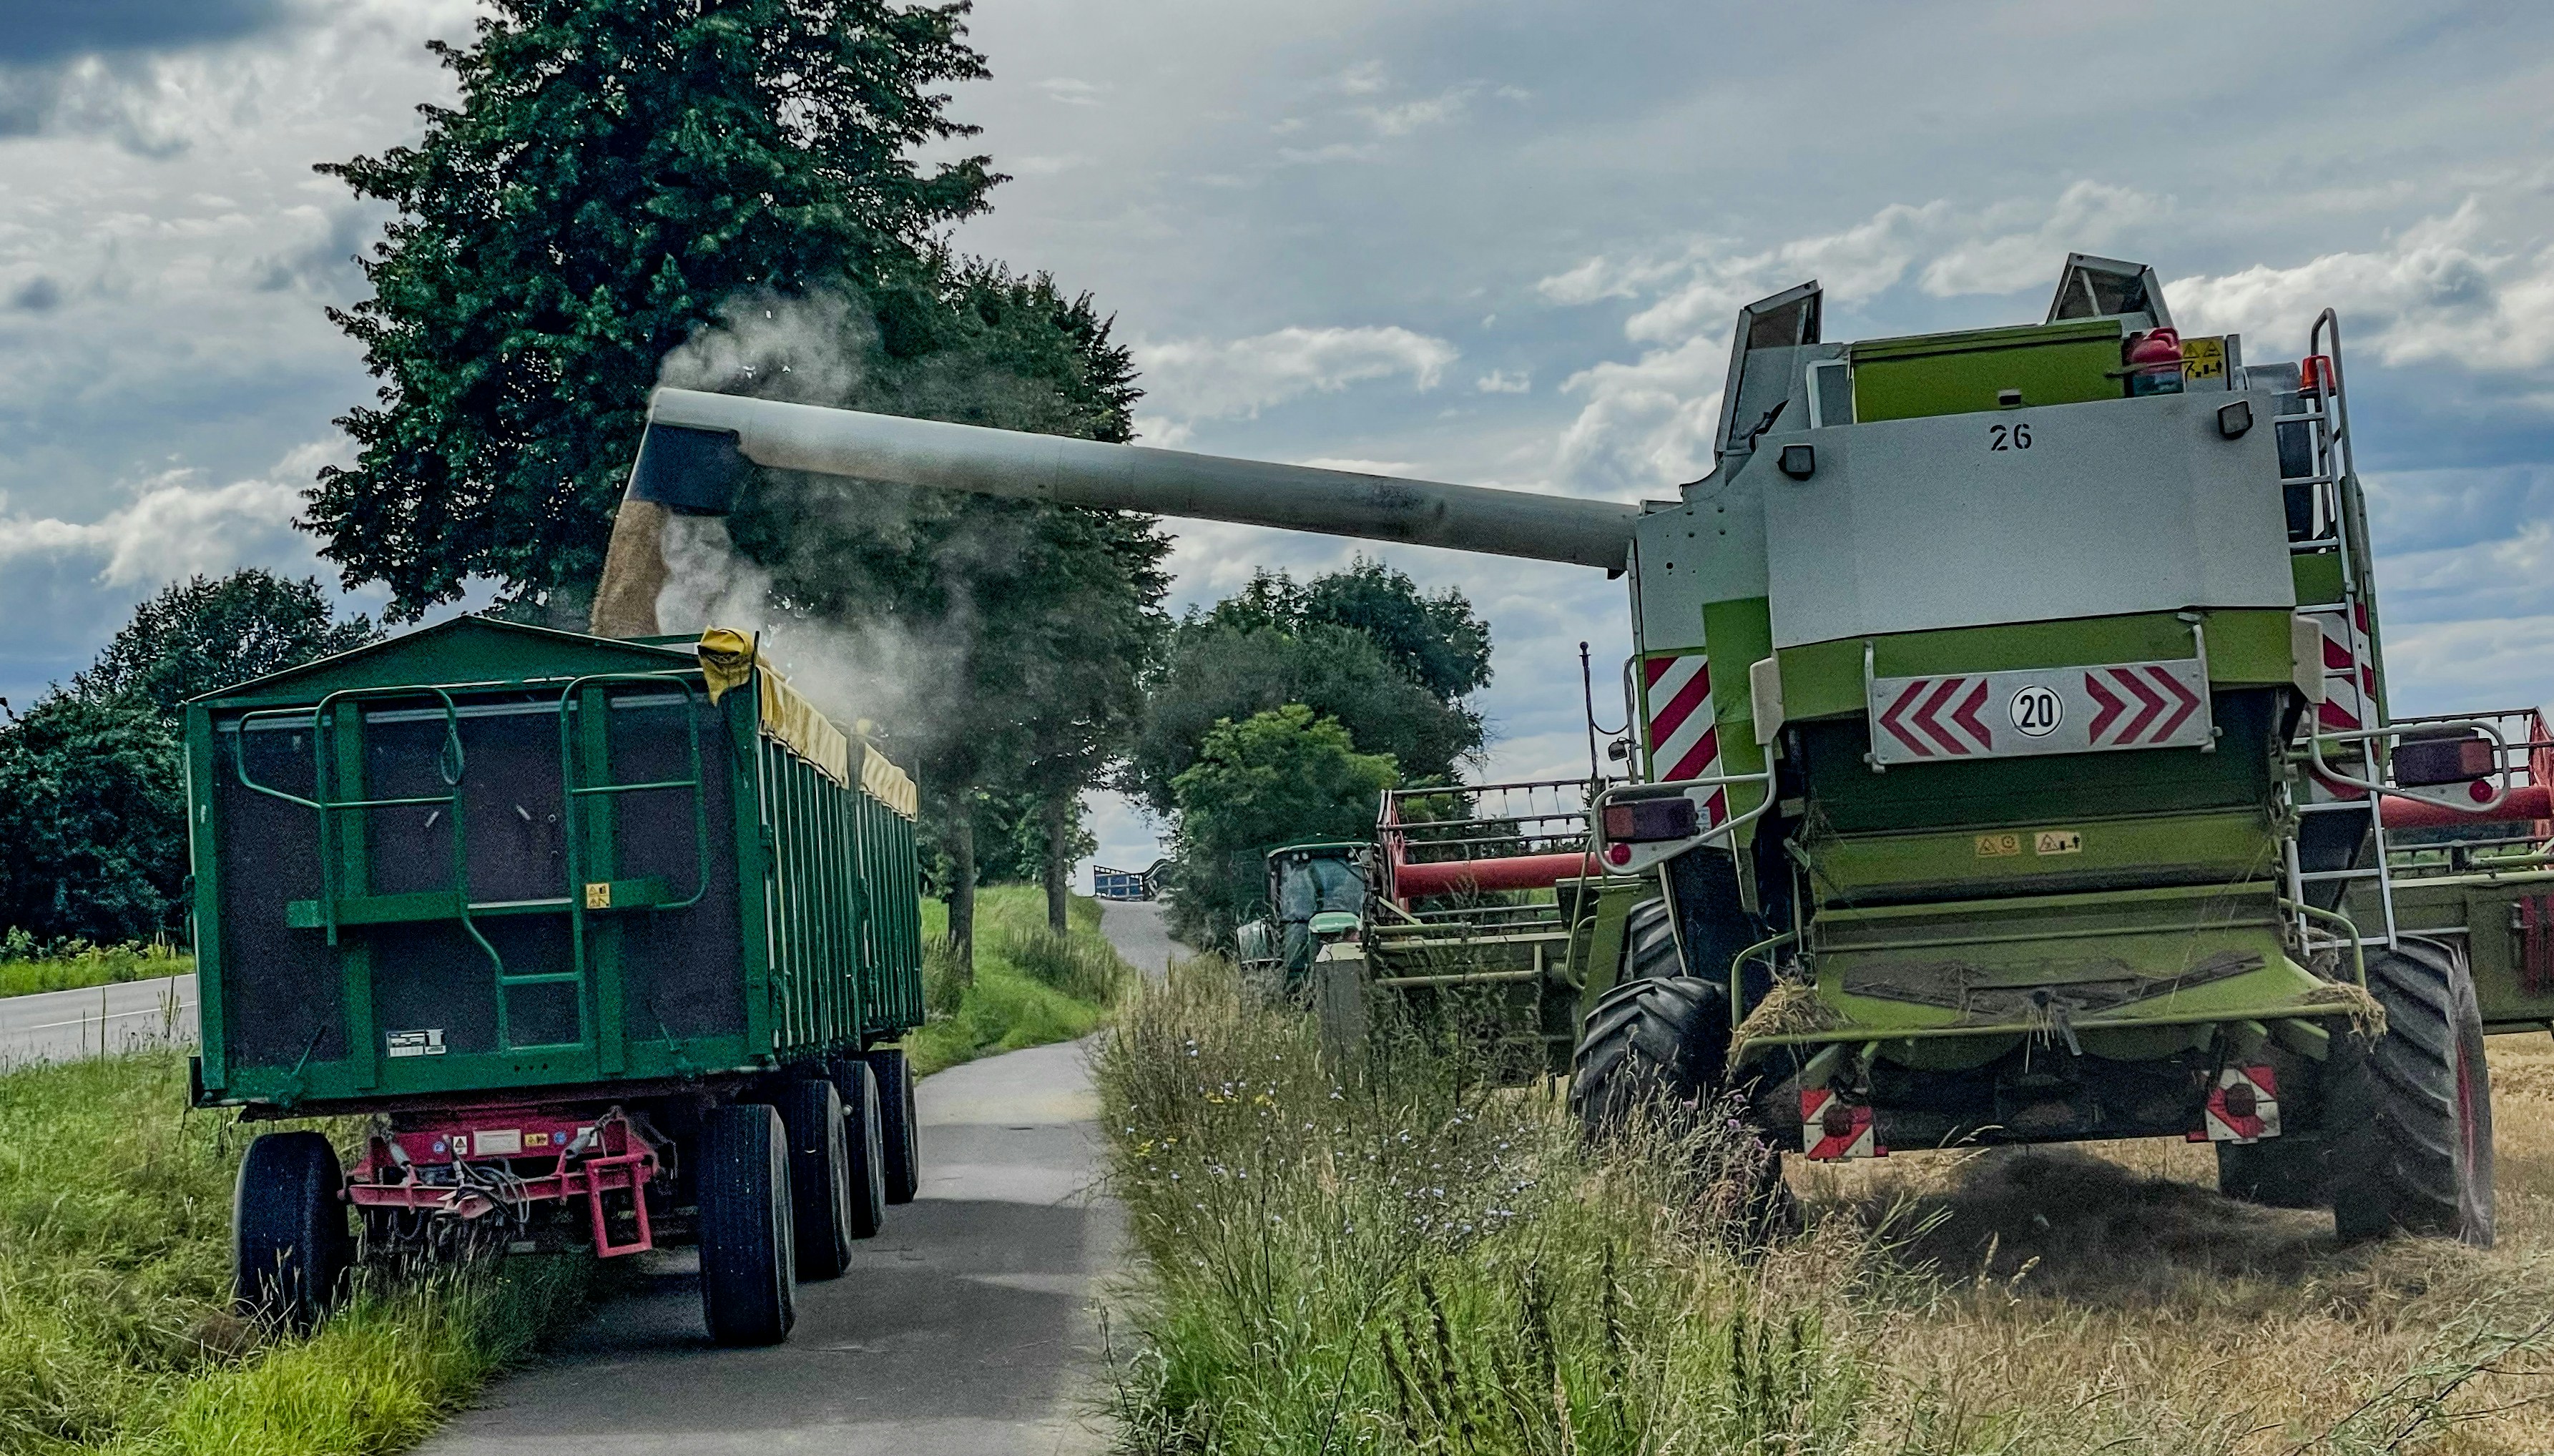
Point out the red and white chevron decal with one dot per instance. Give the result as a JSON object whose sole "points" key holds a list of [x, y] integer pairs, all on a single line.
{"points": [[1685, 742], [1939, 717], [1944, 718], [2244, 1107], [2137, 705], [2349, 669]]}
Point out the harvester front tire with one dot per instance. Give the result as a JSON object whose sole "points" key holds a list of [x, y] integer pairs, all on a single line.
{"points": [[821, 1195], [749, 1290], [289, 1245], [864, 1127], [899, 1128], [2409, 1114]]}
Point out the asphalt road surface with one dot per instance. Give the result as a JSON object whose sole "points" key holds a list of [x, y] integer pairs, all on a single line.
{"points": [[969, 1326], [1134, 927], [61, 1026]]}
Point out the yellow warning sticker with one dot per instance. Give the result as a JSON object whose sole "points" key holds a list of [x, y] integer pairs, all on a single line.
{"points": [[2058, 841], [597, 895], [2203, 358], [1997, 846]]}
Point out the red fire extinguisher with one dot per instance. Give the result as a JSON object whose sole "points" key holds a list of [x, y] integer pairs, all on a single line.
{"points": [[2154, 360]]}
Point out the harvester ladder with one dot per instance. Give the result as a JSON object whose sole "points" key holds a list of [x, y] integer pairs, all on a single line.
{"points": [[2352, 702]]}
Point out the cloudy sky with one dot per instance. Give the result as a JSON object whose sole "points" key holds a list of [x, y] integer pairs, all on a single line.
{"points": [[1492, 243]]}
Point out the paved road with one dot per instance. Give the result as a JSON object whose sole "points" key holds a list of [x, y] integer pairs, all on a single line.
{"points": [[966, 1328], [1134, 927], [60, 1026]]}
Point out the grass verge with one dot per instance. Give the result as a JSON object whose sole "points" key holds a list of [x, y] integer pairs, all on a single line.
{"points": [[1378, 1255], [1030, 987], [116, 1332], [78, 966]]}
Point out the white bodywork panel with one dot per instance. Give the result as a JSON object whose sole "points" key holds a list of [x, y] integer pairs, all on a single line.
{"points": [[2116, 507]]}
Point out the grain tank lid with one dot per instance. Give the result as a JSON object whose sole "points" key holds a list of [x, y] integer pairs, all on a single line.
{"points": [[728, 662]]}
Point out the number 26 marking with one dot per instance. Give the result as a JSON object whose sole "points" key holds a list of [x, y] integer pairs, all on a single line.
{"points": [[2008, 437]]}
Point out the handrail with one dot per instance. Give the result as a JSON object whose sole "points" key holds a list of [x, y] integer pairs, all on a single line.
{"points": [[571, 790]]}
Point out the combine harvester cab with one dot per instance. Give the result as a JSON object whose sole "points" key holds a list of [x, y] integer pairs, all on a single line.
{"points": [[2014, 717], [612, 940]]}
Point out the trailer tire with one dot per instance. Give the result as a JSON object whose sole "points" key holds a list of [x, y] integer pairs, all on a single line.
{"points": [[2409, 1114], [864, 1123], [749, 1292], [289, 1245], [898, 1125], [822, 1164]]}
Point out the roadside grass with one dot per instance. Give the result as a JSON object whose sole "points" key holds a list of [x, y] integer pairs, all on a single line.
{"points": [[26, 968], [116, 1332], [1374, 1254], [1031, 988]]}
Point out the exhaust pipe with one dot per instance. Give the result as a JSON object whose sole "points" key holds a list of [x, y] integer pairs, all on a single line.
{"points": [[699, 446]]}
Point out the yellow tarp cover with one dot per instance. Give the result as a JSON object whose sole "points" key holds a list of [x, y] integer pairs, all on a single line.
{"points": [[728, 662]]}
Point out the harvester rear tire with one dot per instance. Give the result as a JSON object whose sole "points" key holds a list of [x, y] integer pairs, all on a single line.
{"points": [[897, 1126], [289, 1245], [2409, 1114], [821, 1195], [748, 1287], [864, 1124], [1659, 1039]]}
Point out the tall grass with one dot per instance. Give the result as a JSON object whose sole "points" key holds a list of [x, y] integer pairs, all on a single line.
{"points": [[1375, 1253], [1031, 986], [29, 965], [115, 1326]]}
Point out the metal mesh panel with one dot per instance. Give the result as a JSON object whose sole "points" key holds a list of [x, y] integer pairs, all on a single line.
{"points": [[282, 997]]}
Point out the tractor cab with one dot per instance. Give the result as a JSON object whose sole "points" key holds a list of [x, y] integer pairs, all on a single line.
{"points": [[1315, 896]]}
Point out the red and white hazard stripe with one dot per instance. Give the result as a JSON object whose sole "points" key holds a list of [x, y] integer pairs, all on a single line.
{"points": [[1684, 742], [2244, 1107], [2349, 670], [1832, 1129]]}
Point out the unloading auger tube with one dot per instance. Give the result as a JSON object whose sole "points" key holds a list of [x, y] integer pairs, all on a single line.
{"points": [[698, 445]]}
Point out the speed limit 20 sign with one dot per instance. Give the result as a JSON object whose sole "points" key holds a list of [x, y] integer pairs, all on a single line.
{"points": [[1949, 716]]}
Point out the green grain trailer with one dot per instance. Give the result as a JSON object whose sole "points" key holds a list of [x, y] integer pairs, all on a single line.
{"points": [[2016, 760], [613, 940]]}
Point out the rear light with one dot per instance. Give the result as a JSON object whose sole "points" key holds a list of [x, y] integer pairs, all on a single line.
{"points": [[2428, 762], [1651, 821]]}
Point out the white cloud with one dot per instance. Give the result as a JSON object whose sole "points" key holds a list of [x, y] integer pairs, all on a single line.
{"points": [[1363, 78], [2443, 290], [175, 525], [1039, 166], [1070, 91], [1501, 381], [2089, 217], [1199, 379], [1410, 116]]}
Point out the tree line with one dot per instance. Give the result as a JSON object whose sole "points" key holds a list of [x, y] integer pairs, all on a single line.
{"points": [[614, 183]]}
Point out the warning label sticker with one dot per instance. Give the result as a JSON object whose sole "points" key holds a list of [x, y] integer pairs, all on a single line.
{"points": [[425, 1043]]}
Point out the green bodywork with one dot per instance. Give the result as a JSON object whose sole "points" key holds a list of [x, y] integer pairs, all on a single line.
{"points": [[657, 889]]}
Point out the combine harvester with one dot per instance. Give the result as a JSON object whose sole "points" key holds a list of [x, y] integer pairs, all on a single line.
{"points": [[613, 940], [2018, 767]]}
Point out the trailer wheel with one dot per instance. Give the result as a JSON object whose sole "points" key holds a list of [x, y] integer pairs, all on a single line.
{"points": [[821, 1168], [289, 1246], [749, 1292], [869, 1155], [897, 1126], [2410, 1113]]}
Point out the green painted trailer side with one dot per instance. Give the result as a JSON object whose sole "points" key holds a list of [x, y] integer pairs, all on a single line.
{"points": [[488, 858]]}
